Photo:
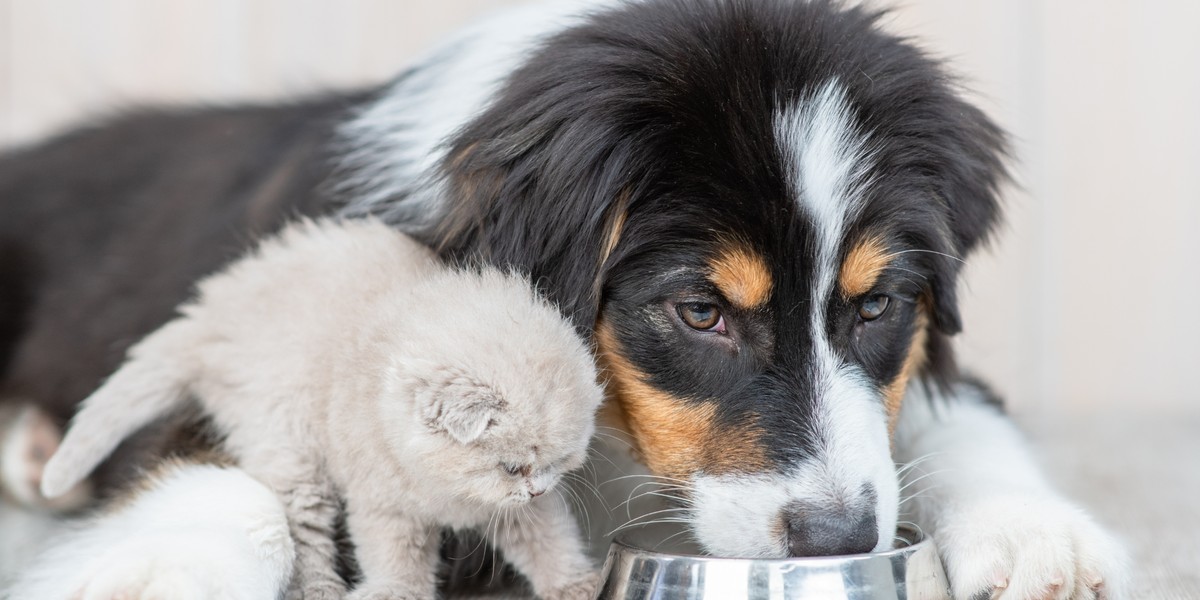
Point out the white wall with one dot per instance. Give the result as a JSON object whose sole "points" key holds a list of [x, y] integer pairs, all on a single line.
{"points": [[1088, 299]]}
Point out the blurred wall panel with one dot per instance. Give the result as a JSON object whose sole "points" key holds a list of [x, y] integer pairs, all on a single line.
{"points": [[1083, 302]]}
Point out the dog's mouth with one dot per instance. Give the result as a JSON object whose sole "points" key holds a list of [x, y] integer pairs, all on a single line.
{"points": [[777, 516]]}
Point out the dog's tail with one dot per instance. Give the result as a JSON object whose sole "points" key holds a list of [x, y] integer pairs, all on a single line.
{"points": [[151, 384]]}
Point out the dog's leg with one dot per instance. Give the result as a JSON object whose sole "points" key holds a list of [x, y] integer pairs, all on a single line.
{"points": [[196, 531], [971, 483], [28, 437]]}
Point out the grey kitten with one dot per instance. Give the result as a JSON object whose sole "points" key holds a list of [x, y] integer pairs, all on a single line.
{"points": [[340, 360]]}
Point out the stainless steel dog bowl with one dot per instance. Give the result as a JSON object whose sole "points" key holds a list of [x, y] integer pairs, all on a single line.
{"points": [[639, 567]]}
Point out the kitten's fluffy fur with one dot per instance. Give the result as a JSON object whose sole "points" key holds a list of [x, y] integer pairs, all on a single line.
{"points": [[341, 361]]}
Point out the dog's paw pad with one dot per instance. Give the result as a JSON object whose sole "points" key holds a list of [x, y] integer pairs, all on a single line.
{"points": [[145, 580], [1029, 548]]}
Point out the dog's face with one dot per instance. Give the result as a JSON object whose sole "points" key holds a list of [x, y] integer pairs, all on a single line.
{"points": [[758, 210]]}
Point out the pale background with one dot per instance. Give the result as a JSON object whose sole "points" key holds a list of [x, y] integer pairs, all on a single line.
{"points": [[1091, 298]]}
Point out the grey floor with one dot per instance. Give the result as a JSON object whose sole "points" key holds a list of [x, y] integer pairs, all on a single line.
{"points": [[1140, 475]]}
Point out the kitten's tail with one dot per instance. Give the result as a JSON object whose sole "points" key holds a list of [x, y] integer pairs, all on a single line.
{"points": [[152, 383]]}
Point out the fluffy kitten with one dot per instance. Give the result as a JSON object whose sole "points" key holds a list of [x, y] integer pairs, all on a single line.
{"points": [[340, 360]]}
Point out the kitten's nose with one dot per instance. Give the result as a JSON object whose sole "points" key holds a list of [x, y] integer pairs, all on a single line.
{"points": [[823, 531]]}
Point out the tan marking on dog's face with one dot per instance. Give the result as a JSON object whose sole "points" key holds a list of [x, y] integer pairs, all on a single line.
{"points": [[862, 267], [893, 394], [674, 437], [742, 275]]}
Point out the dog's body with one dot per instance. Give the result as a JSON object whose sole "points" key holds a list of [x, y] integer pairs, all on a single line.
{"points": [[757, 209]]}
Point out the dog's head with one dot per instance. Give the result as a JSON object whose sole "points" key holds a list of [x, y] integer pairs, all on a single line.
{"points": [[759, 211]]}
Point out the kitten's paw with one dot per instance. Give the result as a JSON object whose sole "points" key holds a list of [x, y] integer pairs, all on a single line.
{"points": [[369, 591], [317, 591], [583, 589], [1030, 548]]}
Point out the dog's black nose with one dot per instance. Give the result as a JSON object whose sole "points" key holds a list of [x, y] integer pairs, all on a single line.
{"points": [[815, 531]]}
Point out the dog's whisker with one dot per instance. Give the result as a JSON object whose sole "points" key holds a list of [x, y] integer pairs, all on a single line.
{"points": [[638, 519], [922, 477], [682, 482], [908, 466], [913, 525]]}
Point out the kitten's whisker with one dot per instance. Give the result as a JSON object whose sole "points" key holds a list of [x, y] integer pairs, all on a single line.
{"points": [[581, 507], [610, 436], [602, 455]]}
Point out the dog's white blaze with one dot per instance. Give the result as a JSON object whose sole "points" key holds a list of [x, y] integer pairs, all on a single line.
{"points": [[826, 160], [397, 142], [741, 515]]}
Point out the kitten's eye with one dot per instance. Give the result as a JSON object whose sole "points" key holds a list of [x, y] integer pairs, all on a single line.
{"points": [[511, 469], [872, 308], [701, 316]]}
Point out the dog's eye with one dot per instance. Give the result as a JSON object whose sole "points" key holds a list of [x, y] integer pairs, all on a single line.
{"points": [[701, 317], [872, 308]]}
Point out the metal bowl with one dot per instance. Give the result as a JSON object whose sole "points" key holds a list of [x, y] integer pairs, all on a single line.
{"points": [[639, 566]]}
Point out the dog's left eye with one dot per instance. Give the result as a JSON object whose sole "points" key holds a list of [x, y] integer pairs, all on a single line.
{"points": [[872, 308]]}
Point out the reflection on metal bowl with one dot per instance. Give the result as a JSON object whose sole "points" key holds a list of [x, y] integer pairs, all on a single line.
{"points": [[639, 567]]}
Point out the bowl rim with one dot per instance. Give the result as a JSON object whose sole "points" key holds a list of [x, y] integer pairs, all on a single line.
{"points": [[917, 541]]}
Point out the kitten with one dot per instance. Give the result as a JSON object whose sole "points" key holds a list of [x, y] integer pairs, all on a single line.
{"points": [[340, 361]]}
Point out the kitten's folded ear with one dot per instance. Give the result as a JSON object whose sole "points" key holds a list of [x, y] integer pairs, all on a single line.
{"points": [[460, 406]]}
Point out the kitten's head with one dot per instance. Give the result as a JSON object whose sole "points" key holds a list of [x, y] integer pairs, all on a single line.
{"points": [[505, 391]]}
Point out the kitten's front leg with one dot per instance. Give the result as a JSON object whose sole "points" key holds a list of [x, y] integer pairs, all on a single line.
{"points": [[545, 546], [398, 554], [312, 510], [1001, 528], [311, 505]]}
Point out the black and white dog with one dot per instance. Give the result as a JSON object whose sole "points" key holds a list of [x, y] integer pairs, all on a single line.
{"points": [[757, 209]]}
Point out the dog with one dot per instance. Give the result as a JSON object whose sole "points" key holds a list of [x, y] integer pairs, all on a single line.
{"points": [[757, 210]]}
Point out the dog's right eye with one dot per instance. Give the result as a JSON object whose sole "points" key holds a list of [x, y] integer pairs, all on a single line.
{"points": [[701, 316]]}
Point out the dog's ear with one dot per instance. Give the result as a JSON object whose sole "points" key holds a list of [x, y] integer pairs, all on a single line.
{"points": [[969, 173], [460, 406], [542, 180]]}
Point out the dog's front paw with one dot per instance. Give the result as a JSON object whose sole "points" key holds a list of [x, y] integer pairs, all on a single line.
{"points": [[149, 579], [581, 589], [1029, 547]]}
